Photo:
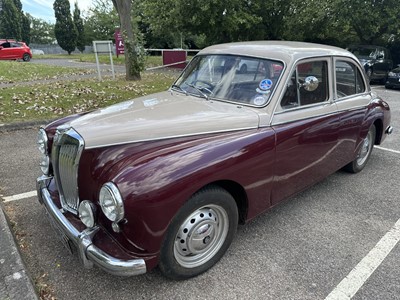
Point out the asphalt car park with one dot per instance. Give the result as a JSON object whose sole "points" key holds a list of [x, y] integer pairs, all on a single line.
{"points": [[301, 249]]}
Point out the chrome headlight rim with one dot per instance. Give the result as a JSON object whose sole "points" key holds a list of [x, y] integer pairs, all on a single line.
{"points": [[42, 141], [111, 202], [44, 164]]}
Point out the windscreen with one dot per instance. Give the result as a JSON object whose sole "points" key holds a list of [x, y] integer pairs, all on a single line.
{"points": [[238, 79]]}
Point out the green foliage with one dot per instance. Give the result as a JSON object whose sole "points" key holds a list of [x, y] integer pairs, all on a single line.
{"points": [[18, 5], [78, 21], [101, 22], [160, 22], [65, 30], [373, 21], [25, 29], [337, 22], [10, 24], [41, 32]]}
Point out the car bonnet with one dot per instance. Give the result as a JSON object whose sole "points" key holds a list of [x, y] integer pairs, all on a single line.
{"points": [[160, 116]]}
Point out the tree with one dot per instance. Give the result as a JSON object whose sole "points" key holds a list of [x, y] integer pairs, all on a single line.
{"points": [[64, 29], [372, 21], [80, 41], [10, 25], [25, 29], [133, 62], [101, 22], [41, 32]]}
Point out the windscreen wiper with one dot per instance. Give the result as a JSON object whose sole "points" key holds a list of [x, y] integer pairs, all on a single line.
{"points": [[198, 89], [175, 86]]}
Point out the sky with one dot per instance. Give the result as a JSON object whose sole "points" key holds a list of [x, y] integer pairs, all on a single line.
{"points": [[43, 9]]}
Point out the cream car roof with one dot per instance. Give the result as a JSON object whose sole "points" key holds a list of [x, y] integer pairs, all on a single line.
{"points": [[280, 50]]}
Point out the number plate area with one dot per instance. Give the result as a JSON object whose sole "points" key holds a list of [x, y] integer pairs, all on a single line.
{"points": [[60, 234]]}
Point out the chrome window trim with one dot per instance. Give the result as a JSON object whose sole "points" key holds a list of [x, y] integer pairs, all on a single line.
{"points": [[338, 100], [361, 70], [304, 107], [305, 118], [278, 109]]}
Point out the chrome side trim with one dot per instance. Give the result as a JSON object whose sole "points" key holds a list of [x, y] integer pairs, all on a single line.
{"points": [[88, 253], [172, 137]]}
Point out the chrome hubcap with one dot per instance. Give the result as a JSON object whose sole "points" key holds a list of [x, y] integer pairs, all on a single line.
{"points": [[200, 236], [365, 149]]}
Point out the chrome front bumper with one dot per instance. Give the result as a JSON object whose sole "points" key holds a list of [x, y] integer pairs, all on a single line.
{"points": [[89, 254]]}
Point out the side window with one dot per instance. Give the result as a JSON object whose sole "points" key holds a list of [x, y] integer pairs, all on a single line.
{"points": [[307, 85], [349, 80]]}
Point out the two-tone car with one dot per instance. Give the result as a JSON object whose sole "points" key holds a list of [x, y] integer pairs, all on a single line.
{"points": [[165, 179]]}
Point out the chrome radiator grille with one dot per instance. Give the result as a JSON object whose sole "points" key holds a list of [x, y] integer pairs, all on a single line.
{"points": [[66, 152]]}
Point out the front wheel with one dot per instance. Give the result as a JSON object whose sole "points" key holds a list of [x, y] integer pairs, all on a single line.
{"points": [[199, 234], [364, 153]]}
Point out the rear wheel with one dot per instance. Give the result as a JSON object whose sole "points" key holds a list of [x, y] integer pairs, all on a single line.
{"points": [[199, 234], [26, 57], [364, 153]]}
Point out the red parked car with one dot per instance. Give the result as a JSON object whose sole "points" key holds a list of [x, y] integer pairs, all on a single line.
{"points": [[165, 179], [13, 50]]}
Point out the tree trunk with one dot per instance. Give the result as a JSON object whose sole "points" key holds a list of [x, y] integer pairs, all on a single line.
{"points": [[132, 64]]}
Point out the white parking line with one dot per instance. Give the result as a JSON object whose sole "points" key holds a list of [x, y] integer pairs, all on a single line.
{"points": [[350, 285], [20, 196], [386, 149]]}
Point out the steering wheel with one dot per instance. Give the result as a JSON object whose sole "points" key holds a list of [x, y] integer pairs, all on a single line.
{"points": [[204, 85]]}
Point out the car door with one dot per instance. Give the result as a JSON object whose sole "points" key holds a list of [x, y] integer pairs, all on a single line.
{"points": [[352, 98], [6, 51], [306, 125], [16, 50]]}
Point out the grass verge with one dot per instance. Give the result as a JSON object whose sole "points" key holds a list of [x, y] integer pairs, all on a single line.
{"points": [[14, 71], [151, 61], [49, 101]]}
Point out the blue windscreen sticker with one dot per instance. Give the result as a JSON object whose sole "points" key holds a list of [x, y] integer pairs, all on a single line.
{"points": [[264, 86]]}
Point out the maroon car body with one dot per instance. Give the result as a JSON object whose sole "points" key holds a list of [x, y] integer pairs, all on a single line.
{"points": [[173, 156]]}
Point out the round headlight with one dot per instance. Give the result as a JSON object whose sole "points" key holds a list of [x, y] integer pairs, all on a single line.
{"points": [[87, 213], [45, 164], [111, 202], [42, 141]]}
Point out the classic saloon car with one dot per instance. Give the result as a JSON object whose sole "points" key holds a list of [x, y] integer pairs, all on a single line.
{"points": [[165, 179]]}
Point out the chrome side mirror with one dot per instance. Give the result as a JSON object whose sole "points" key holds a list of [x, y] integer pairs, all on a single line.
{"points": [[310, 83]]}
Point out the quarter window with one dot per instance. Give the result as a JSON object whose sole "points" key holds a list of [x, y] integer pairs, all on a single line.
{"points": [[307, 85], [349, 80]]}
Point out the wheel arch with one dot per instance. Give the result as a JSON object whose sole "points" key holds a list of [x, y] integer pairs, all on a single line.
{"points": [[237, 192], [379, 131]]}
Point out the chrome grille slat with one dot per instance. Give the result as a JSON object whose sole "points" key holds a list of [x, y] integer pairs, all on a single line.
{"points": [[67, 149]]}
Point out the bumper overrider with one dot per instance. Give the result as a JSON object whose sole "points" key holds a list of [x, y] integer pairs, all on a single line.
{"points": [[88, 253]]}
